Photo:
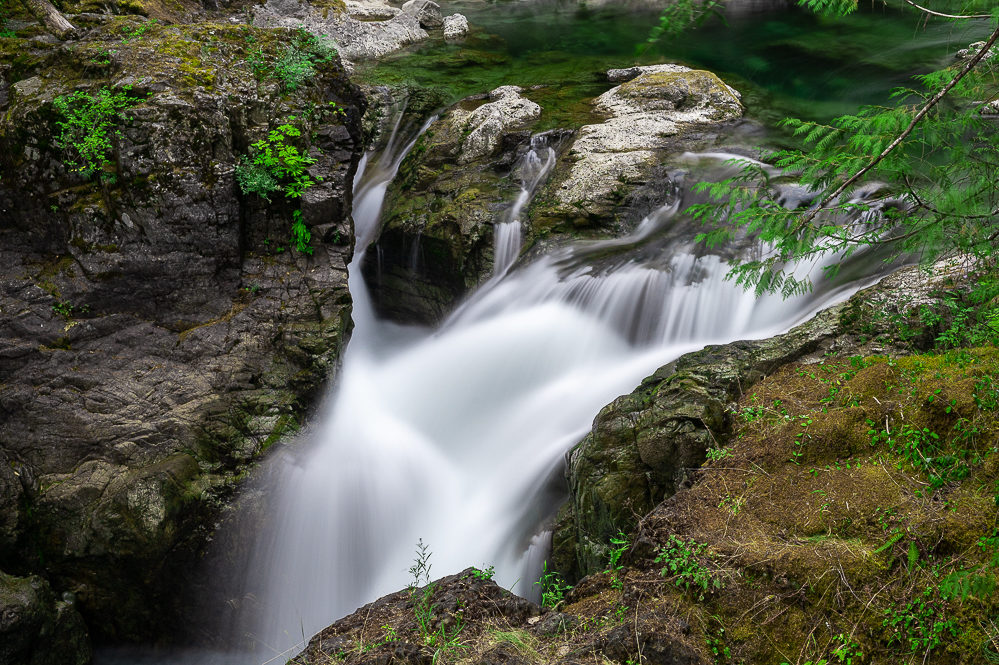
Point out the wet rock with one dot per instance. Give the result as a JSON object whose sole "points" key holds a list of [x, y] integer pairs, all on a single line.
{"points": [[455, 26], [645, 112], [154, 341], [36, 628], [643, 445], [438, 222]]}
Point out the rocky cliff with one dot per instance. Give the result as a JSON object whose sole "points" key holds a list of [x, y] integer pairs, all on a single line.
{"points": [[158, 328]]}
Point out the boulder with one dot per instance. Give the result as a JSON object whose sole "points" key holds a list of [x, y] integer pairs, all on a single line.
{"points": [[455, 27], [648, 115]]}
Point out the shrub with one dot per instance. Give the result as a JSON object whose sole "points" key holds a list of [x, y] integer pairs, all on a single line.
{"points": [[88, 127]]}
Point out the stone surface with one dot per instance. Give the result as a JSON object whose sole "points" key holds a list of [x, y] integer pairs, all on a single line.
{"points": [[38, 629], [368, 10], [355, 39], [455, 26], [648, 115], [438, 222], [642, 445], [156, 333]]}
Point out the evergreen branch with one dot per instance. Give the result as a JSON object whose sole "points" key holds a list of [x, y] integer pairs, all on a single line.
{"points": [[905, 133], [930, 11]]}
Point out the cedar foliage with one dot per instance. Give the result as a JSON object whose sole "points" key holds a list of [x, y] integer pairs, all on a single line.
{"points": [[934, 146]]}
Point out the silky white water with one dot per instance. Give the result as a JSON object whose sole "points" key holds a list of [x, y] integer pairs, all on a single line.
{"points": [[453, 435]]}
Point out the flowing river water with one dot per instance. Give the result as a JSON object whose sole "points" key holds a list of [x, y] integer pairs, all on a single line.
{"points": [[457, 435]]}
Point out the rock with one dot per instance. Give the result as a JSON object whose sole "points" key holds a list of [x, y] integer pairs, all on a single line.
{"points": [[38, 629], [153, 340], [438, 223], [355, 39], [483, 127], [475, 605], [642, 445], [973, 50], [455, 26], [427, 12], [367, 10], [652, 105]]}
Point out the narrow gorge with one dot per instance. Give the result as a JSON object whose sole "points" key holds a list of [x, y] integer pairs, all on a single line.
{"points": [[372, 332]]}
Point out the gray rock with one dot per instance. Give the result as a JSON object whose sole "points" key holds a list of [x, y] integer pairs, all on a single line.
{"points": [[656, 103], [455, 26], [427, 12], [367, 10], [485, 126], [38, 629], [153, 341]]}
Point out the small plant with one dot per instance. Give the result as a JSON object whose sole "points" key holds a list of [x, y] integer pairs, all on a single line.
{"points": [[620, 544], [681, 562], [279, 166], [718, 454], [484, 573], [420, 570], [66, 310], [136, 33], [88, 127], [553, 587], [297, 63]]}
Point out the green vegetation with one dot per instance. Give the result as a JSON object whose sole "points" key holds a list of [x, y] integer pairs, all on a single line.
{"points": [[553, 587], [681, 561], [620, 544], [88, 128], [278, 166], [296, 63], [930, 145], [441, 639]]}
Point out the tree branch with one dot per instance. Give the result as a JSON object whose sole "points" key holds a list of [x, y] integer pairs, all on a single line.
{"points": [[930, 11], [905, 133], [50, 17]]}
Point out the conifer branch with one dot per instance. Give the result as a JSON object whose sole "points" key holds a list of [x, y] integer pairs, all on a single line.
{"points": [[905, 133], [930, 11]]}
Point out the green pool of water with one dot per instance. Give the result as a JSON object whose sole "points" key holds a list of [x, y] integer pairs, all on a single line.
{"points": [[785, 62]]}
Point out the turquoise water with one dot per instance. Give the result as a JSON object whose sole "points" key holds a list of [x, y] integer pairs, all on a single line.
{"points": [[786, 62]]}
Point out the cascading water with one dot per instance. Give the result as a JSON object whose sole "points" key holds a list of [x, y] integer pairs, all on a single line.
{"points": [[453, 436], [534, 169]]}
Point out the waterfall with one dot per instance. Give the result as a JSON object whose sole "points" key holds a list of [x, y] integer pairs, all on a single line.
{"points": [[455, 435], [534, 168]]}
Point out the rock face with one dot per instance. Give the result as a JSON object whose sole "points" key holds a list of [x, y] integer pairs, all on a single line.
{"points": [[643, 444], [355, 39], [38, 629], [648, 115], [438, 222], [157, 332]]}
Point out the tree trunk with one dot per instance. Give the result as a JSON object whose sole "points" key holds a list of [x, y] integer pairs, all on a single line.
{"points": [[50, 17]]}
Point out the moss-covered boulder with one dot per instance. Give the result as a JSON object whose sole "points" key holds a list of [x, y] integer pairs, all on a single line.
{"points": [[458, 182], [157, 329], [655, 111]]}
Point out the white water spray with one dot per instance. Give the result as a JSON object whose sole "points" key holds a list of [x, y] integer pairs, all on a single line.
{"points": [[452, 436], [534, 169]]}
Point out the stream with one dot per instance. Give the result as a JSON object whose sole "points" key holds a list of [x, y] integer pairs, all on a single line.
{"points": [[456, 436]]}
